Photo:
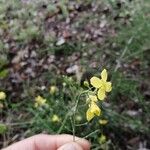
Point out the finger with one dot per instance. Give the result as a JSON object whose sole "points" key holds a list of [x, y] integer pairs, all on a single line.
{"points": [[47, 142], [70, 146]]}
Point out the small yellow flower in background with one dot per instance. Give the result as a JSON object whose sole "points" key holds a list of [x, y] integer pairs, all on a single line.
{"points": [[86, 83], [53, 89], [101, 84], [55, 118], [78, 118], [103, 121], [102, 139], [92, 111], [39, 101], [2, 95]]}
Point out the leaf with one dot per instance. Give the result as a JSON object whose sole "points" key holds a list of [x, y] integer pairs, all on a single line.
{"points": [[3, 128], [3, 60], [3, 73]]}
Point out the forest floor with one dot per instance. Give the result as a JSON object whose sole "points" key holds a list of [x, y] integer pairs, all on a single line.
{"points": [[43, 41]]}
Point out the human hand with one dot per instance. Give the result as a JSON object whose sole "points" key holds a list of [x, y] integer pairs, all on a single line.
{"points": [[50, 142]]}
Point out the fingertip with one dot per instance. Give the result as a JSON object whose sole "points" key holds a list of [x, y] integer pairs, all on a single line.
{"points": [[84, 143], [71, 146], [81, 141]]}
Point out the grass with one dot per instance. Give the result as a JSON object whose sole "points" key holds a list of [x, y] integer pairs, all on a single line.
{"points": [[125, 54]]}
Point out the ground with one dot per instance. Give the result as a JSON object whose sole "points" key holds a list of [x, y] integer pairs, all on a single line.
{"points": [[63, 43]]}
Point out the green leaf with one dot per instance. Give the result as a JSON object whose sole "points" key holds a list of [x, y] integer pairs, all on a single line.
{"points": [[3, 73], [3, 128]]}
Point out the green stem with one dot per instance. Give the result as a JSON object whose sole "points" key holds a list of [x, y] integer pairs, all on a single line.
{"points": [[90, 134], [63, 123], [81, 124], [74, 113], [73, 127]]}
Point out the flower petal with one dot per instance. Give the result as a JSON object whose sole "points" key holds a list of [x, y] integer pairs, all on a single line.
{"points": [[104, 75], [102, 139], [108, 86], [103, 121], [89, 115], [95, 109], [95, 82], [93, 98], [98, 111], [101, 94]]}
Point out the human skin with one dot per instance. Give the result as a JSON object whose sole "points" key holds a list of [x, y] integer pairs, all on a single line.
{"points": [[50, 142]]}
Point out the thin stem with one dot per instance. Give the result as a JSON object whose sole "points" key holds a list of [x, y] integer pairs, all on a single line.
{"points": [[90, 134], [74, 113], [16, 124], [123, 53], [63, 123], [73, 127], [82, 124]]}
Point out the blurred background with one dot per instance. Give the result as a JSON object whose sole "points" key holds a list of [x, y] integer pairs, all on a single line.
{"points": [[49, 47]]}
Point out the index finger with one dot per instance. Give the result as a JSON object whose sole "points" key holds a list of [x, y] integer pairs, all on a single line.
{"points": [[47, 142]]}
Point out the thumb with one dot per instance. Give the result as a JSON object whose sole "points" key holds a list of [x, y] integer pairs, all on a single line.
{"points": [[70, 146]]}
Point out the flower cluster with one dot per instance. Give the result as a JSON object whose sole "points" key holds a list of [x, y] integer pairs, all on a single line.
{"points": [[39, 101], [101, 87], [2, 98], [55, 118], [53, 89], [2, 95]]}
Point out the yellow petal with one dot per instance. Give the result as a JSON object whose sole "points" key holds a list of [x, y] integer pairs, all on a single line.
{"points": [[96, 82], [108, 86], [103, 121], [2, 95], [89, 115], [40, 100], [93, 98], [55, 118], [95, 109], [102, 139], [53, 89], [104, 75], [98, 111], [101, 94]]}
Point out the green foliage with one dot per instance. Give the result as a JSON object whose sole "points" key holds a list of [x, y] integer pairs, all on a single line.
{"points": [[3, 128], [4, 73]]}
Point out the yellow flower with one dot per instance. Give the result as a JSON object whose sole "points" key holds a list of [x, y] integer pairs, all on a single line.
{"points": [[93, 98], [92, 111], [101, 84], [55, 118], [103, 121], [39, 101], [53, 89], [102, 139], [2, 95]]}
